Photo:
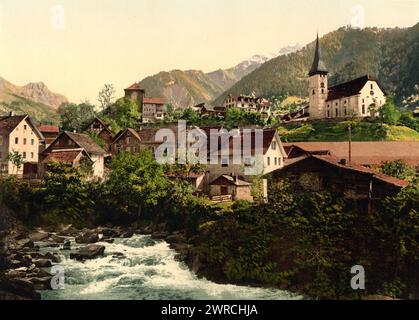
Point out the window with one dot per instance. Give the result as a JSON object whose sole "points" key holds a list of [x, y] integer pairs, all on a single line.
{"points": [[276, 161], [24, 141], [314, 92], [269, 161], [25, 127], [24, 155], [224, 162], [322, 85], [328, 113], [363, 109], [273, 145], [337, 112], [32, 155], [372, 86], [345, 111], [32, 141], [16, 140], [322, 90], [247, 162]]}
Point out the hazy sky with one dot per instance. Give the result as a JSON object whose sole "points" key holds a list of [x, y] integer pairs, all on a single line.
{"points": [[122, 41]]}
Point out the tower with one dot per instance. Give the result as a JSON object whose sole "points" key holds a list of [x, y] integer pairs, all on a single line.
{"points": [[136, 93], [318, 86]]}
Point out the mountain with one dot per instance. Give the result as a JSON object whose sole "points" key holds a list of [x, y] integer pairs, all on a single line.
{"points": [[34, 98], [391, 55], [187, 88]]}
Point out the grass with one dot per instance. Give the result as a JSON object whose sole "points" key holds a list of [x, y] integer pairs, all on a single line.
{"points": [[338, 131]]}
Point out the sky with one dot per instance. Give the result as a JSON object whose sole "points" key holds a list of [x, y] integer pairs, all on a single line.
{"points": [[76, 46]]}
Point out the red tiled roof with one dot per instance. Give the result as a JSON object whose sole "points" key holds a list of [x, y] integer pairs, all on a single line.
{"points": [[161, 101], [45, 128], [367, 152]]}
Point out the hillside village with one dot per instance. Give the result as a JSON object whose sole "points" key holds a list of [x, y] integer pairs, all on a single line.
{"points": [[27, 149]]}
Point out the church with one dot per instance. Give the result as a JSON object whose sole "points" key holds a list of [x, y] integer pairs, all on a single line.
{"points": [[361, 97]]}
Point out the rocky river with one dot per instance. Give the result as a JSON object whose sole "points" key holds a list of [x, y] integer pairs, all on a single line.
{"points": [[134, 267]]}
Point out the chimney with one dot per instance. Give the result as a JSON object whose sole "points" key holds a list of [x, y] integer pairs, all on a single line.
{"points": [[12, 114], [342, 162]]}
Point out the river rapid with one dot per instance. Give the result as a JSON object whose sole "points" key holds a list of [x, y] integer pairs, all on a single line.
{"points": [[140, 268]]}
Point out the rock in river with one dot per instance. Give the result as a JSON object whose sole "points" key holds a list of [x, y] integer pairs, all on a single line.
{"points": [[87, 237], [88, 252]]}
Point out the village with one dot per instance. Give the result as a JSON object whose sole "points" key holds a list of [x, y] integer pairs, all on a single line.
{"points": [[345, 168]]}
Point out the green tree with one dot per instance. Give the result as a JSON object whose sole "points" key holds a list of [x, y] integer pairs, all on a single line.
{"points": [[136, 182], [125, 113], [74, 117], [16, 159], [398, 169], [389, 113]]}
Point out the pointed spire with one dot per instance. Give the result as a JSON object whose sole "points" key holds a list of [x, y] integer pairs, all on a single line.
{"points": [[318, 66]]}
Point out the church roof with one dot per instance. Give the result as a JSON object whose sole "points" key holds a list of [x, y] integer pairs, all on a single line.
{"points": [[350, 88], [318, 66]]}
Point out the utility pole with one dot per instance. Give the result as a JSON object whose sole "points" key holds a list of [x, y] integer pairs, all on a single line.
{"points": [[350, 142]]}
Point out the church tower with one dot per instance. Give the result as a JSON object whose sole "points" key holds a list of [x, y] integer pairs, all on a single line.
{"points": [[318, 86]]}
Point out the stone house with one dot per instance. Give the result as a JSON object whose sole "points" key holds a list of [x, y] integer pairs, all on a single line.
{"points": [[18, 133], [69, 142]]}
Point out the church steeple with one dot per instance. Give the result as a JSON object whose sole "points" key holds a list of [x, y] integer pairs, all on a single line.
{"points": [[318, 66]]}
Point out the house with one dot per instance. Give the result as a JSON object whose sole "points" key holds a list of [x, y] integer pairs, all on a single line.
{"points": [[208, 110], [50, 133], [18, 133], [366, 153], [315, 172], [196, 179], [135, 141], [71, 157], [227, 187], [361, 97], [72, 142], [248, 103], [103, 131], [271, 158], [152, 109]]}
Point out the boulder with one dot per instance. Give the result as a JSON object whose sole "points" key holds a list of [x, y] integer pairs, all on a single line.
{"points": [[88, 237], [176, 238], [23, 243], [42, 263], [52, 257], [43, 283], [89, 252], [66, 245], [39, 236], [57, 239], [19, 288]]}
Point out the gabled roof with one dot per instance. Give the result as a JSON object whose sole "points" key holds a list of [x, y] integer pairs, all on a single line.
{"points": [[85, 142], [350, 88], [97, 119], [227, 180], [318, 66], [9, 123], [65, 155], [350, 167]]}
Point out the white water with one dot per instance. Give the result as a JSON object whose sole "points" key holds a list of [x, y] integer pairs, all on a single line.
{"points": [[148, 271]]}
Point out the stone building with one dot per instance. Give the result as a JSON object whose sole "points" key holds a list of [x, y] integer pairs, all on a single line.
{"points": [[151, 109], [18, 133], [361, 97]]}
